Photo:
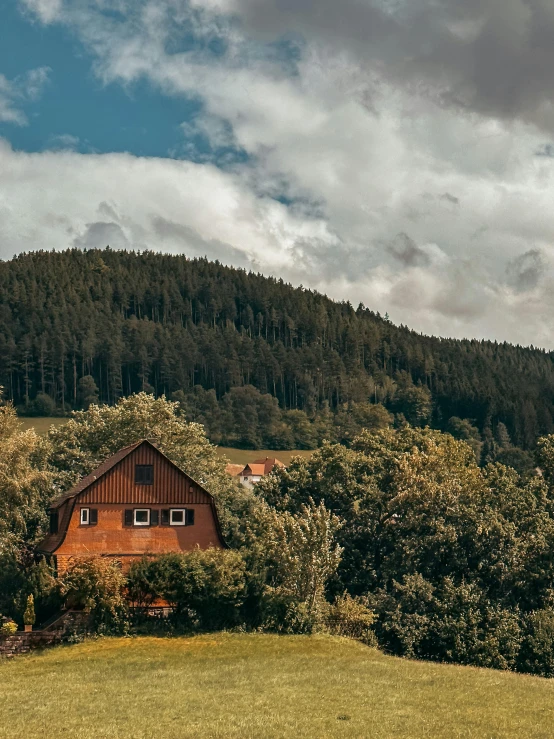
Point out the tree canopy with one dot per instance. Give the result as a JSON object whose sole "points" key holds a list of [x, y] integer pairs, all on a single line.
{"points": [[81, 326]]}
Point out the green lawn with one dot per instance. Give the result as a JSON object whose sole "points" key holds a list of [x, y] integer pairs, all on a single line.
{"points": [[244, 456], [41, 425], [256, 686], [236, 456]]}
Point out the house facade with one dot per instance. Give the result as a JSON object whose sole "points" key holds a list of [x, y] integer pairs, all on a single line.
{"points": [[137, 502], [254, 471]]}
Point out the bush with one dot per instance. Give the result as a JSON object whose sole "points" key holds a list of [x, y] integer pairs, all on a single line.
{"points": [[8, 627], [448, 623], [537, 652], [29, 617], [96, 584], [207, 588], [285, 614], [353, 618], [42, 405]]}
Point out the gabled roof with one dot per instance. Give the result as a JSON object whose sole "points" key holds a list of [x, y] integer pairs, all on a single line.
{"points": [[234, 469], [106, 466], [254, 469], [262, 466]]}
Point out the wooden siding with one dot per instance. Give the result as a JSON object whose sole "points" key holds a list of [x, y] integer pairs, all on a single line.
{"points": [[115, 491], [171, 486], [111, 537]]}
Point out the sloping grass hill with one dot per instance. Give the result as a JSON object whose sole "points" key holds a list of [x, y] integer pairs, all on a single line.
{"points": [[258, 686]]}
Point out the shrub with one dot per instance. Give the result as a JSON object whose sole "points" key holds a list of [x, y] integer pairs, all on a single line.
{"points": [[537, 652], [29, 617], [96, 584], [207, 588], [8, 627], [447, 622], [285, 614], [352, 617], [42, 405]]}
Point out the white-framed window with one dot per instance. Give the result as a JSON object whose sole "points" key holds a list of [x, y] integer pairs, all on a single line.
{"points": [[141, 517], [85, 518], [177, 517]]}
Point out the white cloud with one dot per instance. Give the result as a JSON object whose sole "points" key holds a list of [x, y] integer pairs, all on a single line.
{"points": [[397, 199], [46, 11], [55, 200], [63, 141], [9, 112], [14, 94]]}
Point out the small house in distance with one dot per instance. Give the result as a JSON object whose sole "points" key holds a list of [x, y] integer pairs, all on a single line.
{"points": [[137, 502], [254, 471]]}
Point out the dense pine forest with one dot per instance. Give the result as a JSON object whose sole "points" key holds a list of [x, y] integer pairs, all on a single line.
{"points": [[259, 362]]}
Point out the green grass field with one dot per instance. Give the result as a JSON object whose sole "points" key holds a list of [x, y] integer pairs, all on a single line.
{"points": [[238, 686], [236, 456], [41, 425], [244, 456]]}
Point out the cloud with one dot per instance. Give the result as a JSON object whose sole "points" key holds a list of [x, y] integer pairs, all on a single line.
{"points": [[46, 11], [379, 152], [60, 199], [16, 93], [181, 238], [450, 198], [406, 251], [101, 234], [63, 141], [492, 57], [524, 272]]}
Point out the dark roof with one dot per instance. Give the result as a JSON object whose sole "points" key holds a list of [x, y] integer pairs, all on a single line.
{"points": [[106, 466]]}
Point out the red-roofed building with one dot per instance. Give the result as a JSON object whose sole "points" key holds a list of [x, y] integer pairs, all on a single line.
{"points": [[254, 471], [136, 502]]}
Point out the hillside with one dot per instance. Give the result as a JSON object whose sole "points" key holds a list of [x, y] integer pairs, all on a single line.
{"points": [[259, 362], [231, 685]]}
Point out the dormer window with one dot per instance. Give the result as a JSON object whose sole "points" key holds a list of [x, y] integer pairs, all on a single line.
{"points": [[144, 474]]}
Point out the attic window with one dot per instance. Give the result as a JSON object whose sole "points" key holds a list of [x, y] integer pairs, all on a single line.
{"points": [[144, 474], [84, 516]]}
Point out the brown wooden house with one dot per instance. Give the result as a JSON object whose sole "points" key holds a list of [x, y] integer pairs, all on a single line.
{"points": [[137, 502]]}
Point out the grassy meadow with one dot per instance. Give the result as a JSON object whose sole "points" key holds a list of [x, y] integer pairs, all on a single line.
{"points": [[244, 456], [256, 686], [236, 456], [41, 425]]}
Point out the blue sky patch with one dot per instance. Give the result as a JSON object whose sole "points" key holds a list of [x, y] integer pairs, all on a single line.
{"points": [[76, 109]]}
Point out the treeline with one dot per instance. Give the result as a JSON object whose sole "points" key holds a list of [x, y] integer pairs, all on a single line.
{"points": [[80, 326], [401, 540], [454, 560]]}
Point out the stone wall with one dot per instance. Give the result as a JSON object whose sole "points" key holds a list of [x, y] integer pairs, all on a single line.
{"points": [[56, 631]]}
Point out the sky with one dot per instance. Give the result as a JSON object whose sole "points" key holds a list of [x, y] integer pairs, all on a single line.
{"points": [[398, 153]]}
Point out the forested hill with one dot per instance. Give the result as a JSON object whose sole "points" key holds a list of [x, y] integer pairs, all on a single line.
{"points": [[125, 322]]}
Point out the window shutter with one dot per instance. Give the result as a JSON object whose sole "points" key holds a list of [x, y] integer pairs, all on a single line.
{"points": [[129, 517], [189, 516], [93, 516], [165, 517], [154, 517]]}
